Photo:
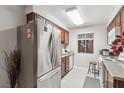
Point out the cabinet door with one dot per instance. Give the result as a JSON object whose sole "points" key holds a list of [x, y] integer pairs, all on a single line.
{"points": [[30, 17], [118, 19], [122, 20], [67, 64], [113, 23], [118, 83], [63, 66], [108, 28], [62, 36], [66, 37]]}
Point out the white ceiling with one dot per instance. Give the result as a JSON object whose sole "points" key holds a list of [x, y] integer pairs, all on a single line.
{"points": [[91, 14]]}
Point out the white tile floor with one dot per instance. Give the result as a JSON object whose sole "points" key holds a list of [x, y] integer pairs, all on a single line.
{"points": [[74, 79]]}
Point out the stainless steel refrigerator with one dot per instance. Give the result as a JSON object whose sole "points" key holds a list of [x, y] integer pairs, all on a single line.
{"points": [[39, 43]]}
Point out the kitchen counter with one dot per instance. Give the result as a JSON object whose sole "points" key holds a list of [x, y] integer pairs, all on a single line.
{"points": [[67, 54], [115, 68], [67, 63]]}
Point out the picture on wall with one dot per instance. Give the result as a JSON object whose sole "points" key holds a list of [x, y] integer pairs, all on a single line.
{"points": [[85, 43]]}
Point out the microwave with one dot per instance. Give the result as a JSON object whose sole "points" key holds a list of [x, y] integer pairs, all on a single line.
{"points": [[104, 52]]}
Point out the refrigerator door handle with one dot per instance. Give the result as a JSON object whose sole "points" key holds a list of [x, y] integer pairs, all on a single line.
{"points": [[50, 49], [54, 51]]}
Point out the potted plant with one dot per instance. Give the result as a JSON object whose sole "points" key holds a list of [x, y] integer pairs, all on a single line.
{"points": [[118, 44], [12, 60]]}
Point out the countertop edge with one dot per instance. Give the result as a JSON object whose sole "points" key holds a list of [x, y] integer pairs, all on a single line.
{"points": [[67, 54]]}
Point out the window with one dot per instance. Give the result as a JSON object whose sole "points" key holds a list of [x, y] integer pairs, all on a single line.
{"points": [[85, 43]]}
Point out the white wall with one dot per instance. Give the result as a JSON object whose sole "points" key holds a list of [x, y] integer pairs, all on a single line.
{"points": [[8, 42], [11, 16], [28, 9], [100, 42]]}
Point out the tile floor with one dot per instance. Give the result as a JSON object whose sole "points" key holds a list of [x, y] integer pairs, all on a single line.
{"points": [[75, 78]]}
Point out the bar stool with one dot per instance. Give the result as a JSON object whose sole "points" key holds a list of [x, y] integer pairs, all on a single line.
{"points": [[94, 68]]}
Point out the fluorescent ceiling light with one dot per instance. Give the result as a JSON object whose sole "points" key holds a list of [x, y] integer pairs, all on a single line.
{"points": [[74, 16]]}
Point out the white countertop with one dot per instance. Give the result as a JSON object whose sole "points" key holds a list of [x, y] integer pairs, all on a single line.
{"points": [[115, 68], [67, 54]]}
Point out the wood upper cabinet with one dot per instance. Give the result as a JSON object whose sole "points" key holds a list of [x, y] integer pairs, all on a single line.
{"points": [[62, 36], [118, 19], [122, 19], [111, 25], [66, 37], [30, 17]]}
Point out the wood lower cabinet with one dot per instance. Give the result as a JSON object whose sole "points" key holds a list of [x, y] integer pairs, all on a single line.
{"points": [[110, 82], [67, 64], [118, 83], [64, 66]]}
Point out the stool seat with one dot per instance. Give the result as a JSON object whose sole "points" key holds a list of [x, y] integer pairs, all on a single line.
{"points": [[93, 67], [93, 62]]}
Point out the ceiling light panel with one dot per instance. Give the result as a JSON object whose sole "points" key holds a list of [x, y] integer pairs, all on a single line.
{"points": [[74, 16]]}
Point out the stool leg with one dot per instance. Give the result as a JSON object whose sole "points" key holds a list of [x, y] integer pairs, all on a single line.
{"points": [[94, 71], [89, 68], [92, 68]]}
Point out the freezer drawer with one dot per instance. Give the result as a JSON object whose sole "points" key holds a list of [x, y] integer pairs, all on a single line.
{"points": [[50, 80]]}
